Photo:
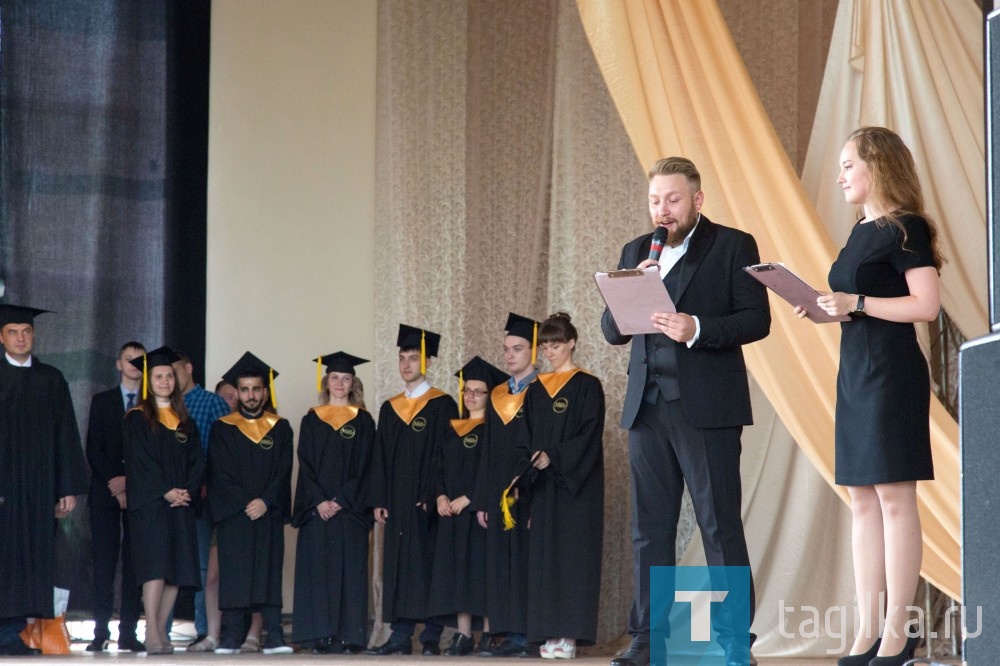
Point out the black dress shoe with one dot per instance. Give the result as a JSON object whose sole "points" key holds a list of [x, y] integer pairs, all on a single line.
{"points": [[528, 651], [636, 654], [860, 659], [394, 645], [460, 646], [897, 659], [506, 648], [323, 646], [130, 643], [738, 655], [487, 642], [17, 648], [431, 648], [97, 645]]}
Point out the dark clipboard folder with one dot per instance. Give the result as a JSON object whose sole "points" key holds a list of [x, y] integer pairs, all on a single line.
{"points": [[793, 289], [633, 296]]}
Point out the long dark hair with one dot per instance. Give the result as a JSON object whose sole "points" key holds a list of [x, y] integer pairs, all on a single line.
{"points": [[149, 408], [557, 328]]}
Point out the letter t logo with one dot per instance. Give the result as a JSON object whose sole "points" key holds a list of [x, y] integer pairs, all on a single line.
{"points": [[701, 610]]}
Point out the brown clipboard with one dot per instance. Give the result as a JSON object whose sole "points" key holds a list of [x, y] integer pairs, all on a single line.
{"points": [[793, 289], [633, 296]]}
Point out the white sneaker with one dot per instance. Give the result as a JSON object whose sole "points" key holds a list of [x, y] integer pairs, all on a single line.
{"points": [[281, 649]]}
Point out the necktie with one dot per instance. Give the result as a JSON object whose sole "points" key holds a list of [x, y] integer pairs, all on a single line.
{"points": [[131, 401]]}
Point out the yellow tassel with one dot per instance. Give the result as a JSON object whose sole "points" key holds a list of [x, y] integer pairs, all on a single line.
{"points": [[270, 388], [534, 344], [423, 352], [461, 393], [145, 377], [319, 375], [505, 504]]}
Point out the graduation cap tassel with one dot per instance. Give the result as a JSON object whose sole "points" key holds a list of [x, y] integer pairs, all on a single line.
{"points": [[270, 387], [505, 503], [145, 377], [423, 352], [319, 375], [461, 392], [534, 344]]}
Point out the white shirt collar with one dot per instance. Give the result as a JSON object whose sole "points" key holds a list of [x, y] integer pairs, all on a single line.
{"points": [[419, 391], [26, 364]]}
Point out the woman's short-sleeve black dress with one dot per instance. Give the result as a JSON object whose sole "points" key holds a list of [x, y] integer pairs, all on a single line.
{"points": [[883, 387]]}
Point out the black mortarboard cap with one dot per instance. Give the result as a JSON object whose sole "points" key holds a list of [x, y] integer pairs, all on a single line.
{"points": [[336, 362], [248, 364], [18, 314], [340, 362], [520, 326], [480, 370], [160, 356], [409, 338]]}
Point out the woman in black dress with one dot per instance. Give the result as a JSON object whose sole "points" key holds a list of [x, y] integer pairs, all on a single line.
{"points": [[331, 558], [565, 416], [458, 578], [164, 465], [886, 278]]}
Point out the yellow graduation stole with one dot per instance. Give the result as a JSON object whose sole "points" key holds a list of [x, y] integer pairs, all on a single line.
{"points": [[336, 415], [408, 408], [253, 429]]}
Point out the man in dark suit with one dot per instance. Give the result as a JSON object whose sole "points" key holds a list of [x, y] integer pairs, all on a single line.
{"points": [[108, 518], [688, 398]]}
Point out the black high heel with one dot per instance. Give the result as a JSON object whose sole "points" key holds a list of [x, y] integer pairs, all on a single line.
{"points": [[861, 659], [897, 659]]}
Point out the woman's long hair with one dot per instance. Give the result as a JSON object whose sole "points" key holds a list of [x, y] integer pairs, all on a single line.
{"points": [[895, 185], [149, 409]]}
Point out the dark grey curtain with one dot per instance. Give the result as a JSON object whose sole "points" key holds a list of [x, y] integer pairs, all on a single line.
{"points": [[103, 161]]}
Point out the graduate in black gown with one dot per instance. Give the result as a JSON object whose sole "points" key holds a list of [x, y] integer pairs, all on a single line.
{"points": [[331, 559], [459, 575], [506, 443], [164, 465], [41, 473], [249, 491], [885, 278], [409, 426], [565, 413]]}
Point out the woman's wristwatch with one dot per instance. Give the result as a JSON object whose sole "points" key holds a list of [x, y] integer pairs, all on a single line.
{"points": [[859, 309]]}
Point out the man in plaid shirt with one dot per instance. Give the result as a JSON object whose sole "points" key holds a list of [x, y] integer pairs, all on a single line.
{"points": [[204, 407]]}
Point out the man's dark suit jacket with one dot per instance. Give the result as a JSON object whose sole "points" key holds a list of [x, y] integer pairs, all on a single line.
{"points": [[732, 309], [105, 447]]}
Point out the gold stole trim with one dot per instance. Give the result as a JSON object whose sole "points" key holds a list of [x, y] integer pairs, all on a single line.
{"points": [[555, 381], [336, 416], [506, 404], [168, 417], [463, 427], [408, 408], [253, 429]]}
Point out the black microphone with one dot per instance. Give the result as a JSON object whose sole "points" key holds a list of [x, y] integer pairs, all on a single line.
{"points": [[656, 246]]}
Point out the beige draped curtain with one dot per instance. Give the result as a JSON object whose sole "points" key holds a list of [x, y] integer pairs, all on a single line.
{"points": [[681, 88]]}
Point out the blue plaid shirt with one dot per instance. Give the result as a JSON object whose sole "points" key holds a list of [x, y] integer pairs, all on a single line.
{"points": [[204, 407]]}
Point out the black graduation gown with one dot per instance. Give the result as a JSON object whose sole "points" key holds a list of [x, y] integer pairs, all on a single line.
{"points": [[402, 464], [164, 538], [458, 577], [250, 459], [503, 456], [567, 506], [41, 460], [331, 558]]}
